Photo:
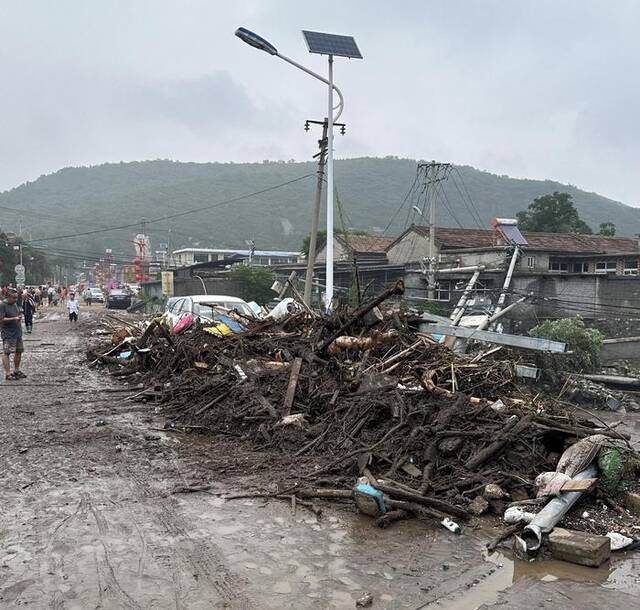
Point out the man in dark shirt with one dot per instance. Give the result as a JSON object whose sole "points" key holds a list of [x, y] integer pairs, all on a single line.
{"points": [[11, 332]]}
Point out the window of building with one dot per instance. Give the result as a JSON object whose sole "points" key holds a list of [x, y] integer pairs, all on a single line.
{"points": [[557, 266], [631, 267], [199, 257], [531, 262], [580, 267], [606, 267], [443, 291]]}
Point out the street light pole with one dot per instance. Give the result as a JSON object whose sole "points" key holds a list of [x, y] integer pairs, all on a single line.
{"points": [[329, 249], [323, 44]]}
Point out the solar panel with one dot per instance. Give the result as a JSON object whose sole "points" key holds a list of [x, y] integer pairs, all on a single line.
{"points": [[331, 44], [508, 228]]}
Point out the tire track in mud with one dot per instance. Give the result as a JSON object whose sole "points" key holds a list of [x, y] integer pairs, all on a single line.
{"points": [[203, 558], [106, 572]]}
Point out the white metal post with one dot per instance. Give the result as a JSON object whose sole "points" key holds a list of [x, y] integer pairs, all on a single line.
{"points": [[329, 249]]}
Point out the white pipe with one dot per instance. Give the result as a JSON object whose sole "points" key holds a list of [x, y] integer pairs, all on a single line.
{"points": [[340, 104], [329, 248], [549, 516], [462, 269]]}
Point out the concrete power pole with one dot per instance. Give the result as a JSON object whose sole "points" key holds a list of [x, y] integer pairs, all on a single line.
{"points": [[431, 174]]}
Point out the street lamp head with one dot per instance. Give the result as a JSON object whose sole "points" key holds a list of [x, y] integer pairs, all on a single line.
{"points": [[256, 41]]}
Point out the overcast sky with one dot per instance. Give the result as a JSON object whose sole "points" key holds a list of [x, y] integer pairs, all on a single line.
{"points": [[540, 88]]}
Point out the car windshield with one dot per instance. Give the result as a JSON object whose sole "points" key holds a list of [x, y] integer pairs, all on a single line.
{"points": [[206, 309]]}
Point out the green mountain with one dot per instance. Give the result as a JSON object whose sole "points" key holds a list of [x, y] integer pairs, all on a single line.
{"points": [[371, 191]]}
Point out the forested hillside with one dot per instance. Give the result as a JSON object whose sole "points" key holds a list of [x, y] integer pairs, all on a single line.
{"points": [[371, 190]]}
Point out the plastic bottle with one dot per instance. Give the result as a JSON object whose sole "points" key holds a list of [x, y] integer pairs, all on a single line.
{"points": [[452, 526]]}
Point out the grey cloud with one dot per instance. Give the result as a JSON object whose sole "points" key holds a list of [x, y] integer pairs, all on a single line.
{"points": [[542, 88]]}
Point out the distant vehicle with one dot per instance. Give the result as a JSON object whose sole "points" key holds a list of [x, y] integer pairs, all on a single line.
{"points": [[134, 289], [97, 295], [118, 299], [203, 306]]}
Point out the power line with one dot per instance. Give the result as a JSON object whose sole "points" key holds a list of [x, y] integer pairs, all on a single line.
{"points": [[177, 215], [471, 208], [448, 206], [395, 214], [466, 190]]}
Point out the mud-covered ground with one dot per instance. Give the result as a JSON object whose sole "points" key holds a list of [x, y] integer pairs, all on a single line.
{"points": [[88, 518]]}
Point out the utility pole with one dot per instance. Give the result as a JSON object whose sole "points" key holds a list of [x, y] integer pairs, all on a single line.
{"points": [[430, 174], [315, 217]]}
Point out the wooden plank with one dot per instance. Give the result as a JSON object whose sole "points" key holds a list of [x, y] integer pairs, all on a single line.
{"points": [[293, 384], [579, 485]]}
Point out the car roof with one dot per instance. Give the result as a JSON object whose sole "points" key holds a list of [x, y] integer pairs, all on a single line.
{"points": [[214, 298]]}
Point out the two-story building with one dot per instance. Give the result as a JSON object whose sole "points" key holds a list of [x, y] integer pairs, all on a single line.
{"points": [[566, 273]]}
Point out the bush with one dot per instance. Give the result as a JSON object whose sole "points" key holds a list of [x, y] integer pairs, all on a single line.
{"points": [[583, 343], [255, 281]]}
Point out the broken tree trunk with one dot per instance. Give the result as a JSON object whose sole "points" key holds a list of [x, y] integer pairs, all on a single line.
{"points": [[291, 389], [397, 288], [509, 432]]}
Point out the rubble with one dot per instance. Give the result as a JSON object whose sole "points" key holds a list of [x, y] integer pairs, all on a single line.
{"points": [[432, 434], [578, 547]]}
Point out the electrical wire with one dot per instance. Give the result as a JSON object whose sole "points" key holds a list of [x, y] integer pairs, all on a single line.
{"points": [[177, 215], [468, 203], [404, 200], [448, 206], [457, 172]]}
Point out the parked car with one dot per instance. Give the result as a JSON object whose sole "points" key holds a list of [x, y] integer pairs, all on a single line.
{"points": [[118, 299], [203, 305], [97, 295]]}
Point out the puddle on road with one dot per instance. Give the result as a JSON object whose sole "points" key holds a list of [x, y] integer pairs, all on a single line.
{"points": [[329, 563]]}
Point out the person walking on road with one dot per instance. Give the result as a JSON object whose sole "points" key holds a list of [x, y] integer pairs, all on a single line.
{"points": [[74, 308], [28, 308], [11, 332], [50, 292]]}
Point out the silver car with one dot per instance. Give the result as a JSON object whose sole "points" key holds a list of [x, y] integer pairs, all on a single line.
{"points": [[204, 305]]}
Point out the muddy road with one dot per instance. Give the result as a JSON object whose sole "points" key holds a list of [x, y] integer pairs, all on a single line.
{"points": [[89, 518]]}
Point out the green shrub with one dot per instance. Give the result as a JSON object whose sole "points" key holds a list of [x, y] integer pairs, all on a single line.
{"points": [[583, 343], [255, 282]]}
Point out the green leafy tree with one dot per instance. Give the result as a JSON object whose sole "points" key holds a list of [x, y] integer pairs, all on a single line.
{"points": [[255, 282], [320, 242], [553, 214], [37, 265], [607, 228], [584, 345]]}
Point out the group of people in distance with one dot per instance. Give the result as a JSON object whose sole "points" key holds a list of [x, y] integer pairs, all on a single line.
{"points": [[18, 304]]}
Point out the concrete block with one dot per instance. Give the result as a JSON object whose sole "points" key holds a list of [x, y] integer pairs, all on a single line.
{"points": [[632, 501], [578, 547]]}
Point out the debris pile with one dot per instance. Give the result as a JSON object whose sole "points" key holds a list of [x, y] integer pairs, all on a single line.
{"points": [[367, 408]]}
